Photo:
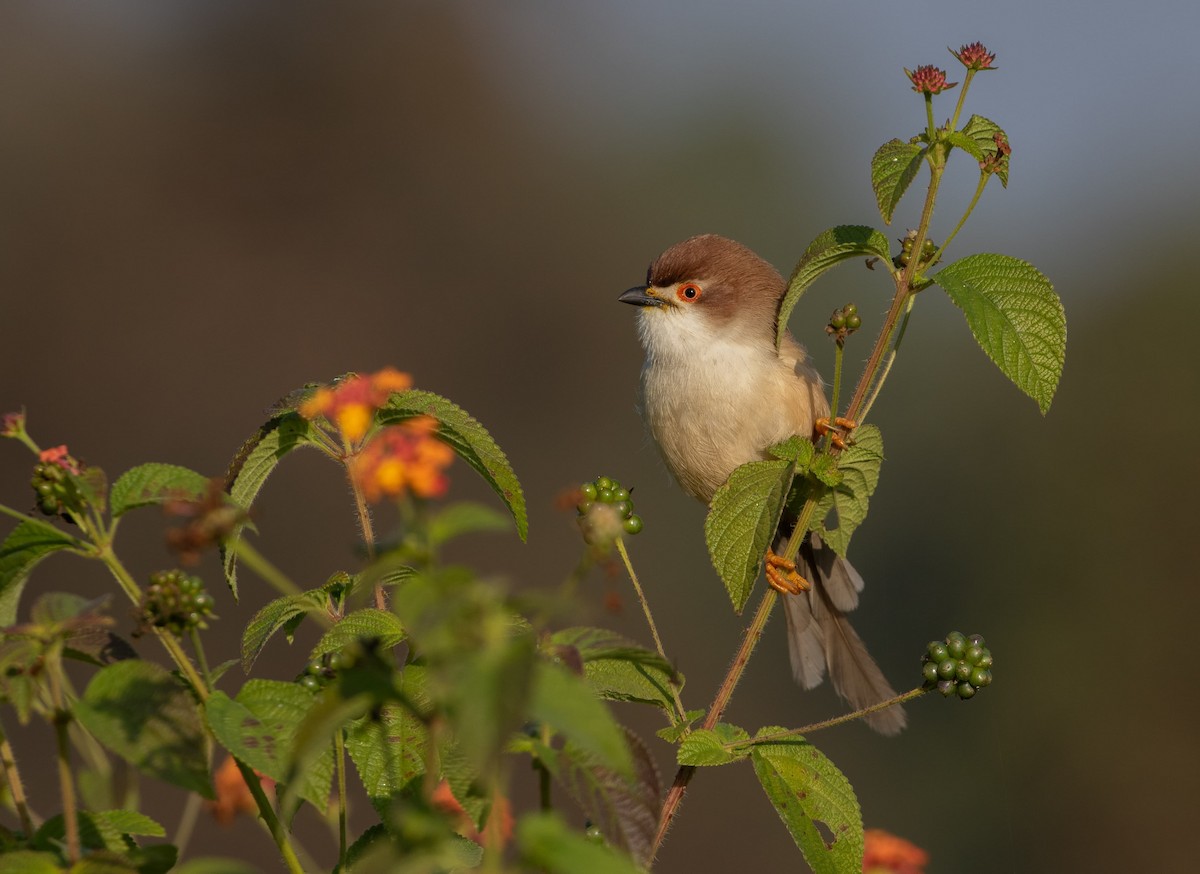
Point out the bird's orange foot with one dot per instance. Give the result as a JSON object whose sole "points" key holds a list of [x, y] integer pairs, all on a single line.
{"points": [[839, 430], [782, 576]]}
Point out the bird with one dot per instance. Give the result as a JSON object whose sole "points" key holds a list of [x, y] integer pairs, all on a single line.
{"points": [[716, 391]]}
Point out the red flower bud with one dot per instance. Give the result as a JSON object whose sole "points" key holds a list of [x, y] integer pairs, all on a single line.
{"points": [[928, 79], [974, 57]]}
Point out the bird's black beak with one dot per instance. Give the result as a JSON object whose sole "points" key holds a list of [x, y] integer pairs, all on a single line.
{"points": [[639, 298]]}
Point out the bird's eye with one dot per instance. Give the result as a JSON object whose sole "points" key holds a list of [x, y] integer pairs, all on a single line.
{"points": [[688, 292]]}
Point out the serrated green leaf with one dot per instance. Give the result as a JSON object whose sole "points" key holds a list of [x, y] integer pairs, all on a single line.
{"points": [[983, 132], [259, 727], [547, 844], [99, 830], [25, 546], [255, 461], [741, 522], [143, 714], [1016, 317], [464, 517], [275, 615], [469, 439], [848, 500], [387, 752], [368, 623], [619, 670], [155, 484], [893, 168], [806, 789], [829, 249], [674, 733], [713, 746], [564, 702], [626, 811], [798, 449]]}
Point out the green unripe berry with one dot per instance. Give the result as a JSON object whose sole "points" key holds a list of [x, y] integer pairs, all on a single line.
{"points": [[850, 309], [977, 639], [853, 323], [620, 494], [981, 677], [938, 651], [964, 671], [947, 687], [974, 653], [589, 491], [314, 668], [956, 643], [948, 669], [930, 672], [625, 508], [603, 482], [605, 495], [632, 525], [965, 691], [584, 506], [334, 661], [838, 320], [985, 660], [593, 834], [312, 684]]}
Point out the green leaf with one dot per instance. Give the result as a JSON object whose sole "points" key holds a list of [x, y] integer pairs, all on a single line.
{"points": [[829, 249], [248, 472], [464, 517], [25, 546], [547, 844], [387, 752], [713, 746], [617, 669], [155, 484], [893, 168], [100, 830], [741, 522], [626, 811], [564, 702], [1016, 317], [146, 716], [215, 865], [809, 461], [469, 439], [815, 801], [275, 615], [259, 727], [28, 862], [368, 623], [674, 733], [859, 467], [983, 132]]}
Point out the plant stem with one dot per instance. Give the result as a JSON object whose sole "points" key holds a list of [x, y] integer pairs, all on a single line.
{"points": [[194, 634], [891, 357], [62, 721], [339, 760], [187, 822], [680, 713], [259, 563], [15, 787], [267, 812], [837, 720], [684, 775]]}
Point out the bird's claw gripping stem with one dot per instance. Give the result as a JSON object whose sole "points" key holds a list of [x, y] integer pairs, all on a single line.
{"points": [[782, 576], [838, 430]]}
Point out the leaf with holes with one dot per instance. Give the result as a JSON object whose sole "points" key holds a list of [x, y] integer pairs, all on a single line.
{"points": [[1016, 317], [815, 801]]}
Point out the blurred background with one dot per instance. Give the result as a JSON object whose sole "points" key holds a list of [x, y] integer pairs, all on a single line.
{"points": [[206, 205]]}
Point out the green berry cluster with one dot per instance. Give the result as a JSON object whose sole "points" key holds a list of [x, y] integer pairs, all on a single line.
{"points": [[843, 323], [604, 490], [324, 669], [960, 665], [928, 248], [176, 602], [54, 489]]}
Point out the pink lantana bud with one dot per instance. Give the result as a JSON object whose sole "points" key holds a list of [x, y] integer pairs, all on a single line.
{"points": [[12, 424], [928, 79], [975, 57]]}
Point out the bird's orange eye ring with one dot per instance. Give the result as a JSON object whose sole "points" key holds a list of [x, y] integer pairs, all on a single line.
{"points": [[688, 292]]}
